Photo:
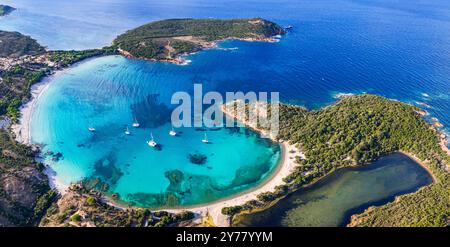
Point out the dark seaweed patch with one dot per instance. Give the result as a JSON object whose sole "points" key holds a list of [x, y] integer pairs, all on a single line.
{"points": [[175, 178], [168, 199], [106, 168], [150, 113], [197, 158]]}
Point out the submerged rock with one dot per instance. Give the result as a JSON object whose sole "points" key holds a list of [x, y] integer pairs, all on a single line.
{"points": [[197, 158], [174, 176], [106, 168], [169, 199]]}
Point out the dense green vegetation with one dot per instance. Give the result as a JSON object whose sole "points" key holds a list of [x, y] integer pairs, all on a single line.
{"points": [[5, 9], [84, 207], [14, 44], [429, 206], [150, 41], [66, 58], [358, 130], [354, 131], [162, 218], [15, 88]]}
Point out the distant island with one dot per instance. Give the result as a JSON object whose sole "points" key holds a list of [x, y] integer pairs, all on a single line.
{"points": [[166, 40], [5, 9]]}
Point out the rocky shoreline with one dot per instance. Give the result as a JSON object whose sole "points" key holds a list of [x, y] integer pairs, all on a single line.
{"points": [[179, 60]]}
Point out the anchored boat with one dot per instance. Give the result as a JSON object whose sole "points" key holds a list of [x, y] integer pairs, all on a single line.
{"points": [[205, 140], [136, 123], [152, 142], [172, 132]]}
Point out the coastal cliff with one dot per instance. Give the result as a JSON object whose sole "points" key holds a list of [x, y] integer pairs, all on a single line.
{"points": [[166, 40]]}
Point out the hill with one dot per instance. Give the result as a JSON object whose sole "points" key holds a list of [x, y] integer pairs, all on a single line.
{"points": [[166, 40], [353, 132], [14, 44]]}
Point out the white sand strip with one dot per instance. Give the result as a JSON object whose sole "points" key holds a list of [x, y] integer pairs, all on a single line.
{"points": [[22, 128], [285, 167]]}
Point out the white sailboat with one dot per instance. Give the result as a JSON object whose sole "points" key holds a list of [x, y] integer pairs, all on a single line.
{"points": [[152, 142], [127, 132], [205, 140], [172, 132], [91, 129], [136, 123]]}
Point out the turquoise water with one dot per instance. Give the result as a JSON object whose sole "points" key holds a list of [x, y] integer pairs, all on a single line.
{"points": [[400, 50], [333, 200], [107, 94]]}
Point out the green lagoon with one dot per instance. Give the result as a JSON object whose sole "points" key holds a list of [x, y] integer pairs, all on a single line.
{"points": [[332, 201]]}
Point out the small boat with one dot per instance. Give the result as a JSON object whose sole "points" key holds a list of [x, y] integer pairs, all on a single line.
{"points": [[152, 142], [289, 27], [205, 140], [172, 132], [136, 123], [127, 132], [91, 129]]}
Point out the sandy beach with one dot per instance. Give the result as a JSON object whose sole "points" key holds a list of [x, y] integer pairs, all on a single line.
{"points": [[22, 128], [285, 167]]}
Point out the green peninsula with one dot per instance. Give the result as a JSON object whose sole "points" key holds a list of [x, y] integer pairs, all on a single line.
{"points": [[167, 39], [14, 44], [23, 62], [354, 132], [5, 9]]}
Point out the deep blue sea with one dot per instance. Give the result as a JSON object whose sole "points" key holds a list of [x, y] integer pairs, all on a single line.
{"points": [[398, 49]]}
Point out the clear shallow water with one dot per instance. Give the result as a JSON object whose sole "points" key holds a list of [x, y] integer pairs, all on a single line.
{"points": [[333, 200], [399, 50], [107, 93]]}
